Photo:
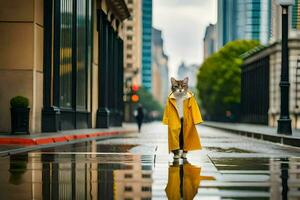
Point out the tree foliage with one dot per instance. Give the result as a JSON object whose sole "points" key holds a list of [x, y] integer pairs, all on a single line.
{"points": [[219, 80]]}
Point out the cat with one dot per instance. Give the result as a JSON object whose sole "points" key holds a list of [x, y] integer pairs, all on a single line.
{"points": [[179, 89], [182, 114]]}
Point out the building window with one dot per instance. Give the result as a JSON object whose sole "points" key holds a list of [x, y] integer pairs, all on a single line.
{"points": [[146, 175], [129, 56], [129, 37], [146, 189], [127, 175], [129, 46], [129, 28], [74, 43], [66, 37], [129, 65], [129, 2], [128, 189], [82, 20]]}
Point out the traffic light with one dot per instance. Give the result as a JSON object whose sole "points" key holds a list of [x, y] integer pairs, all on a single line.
{"points": [[134, 97], [135, 88]]}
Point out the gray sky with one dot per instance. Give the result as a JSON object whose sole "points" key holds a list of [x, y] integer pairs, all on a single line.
{"points": [[183, 24]]}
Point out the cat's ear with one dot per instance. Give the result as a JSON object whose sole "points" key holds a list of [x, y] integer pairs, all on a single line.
{"points": [[186, 80], [173, 81]]}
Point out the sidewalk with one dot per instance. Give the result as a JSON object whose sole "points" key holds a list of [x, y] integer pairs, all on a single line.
{"points": [[18, 143], [258, 132]]}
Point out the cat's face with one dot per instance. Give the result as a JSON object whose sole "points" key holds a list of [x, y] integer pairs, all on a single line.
{"points": [[179, 87]]}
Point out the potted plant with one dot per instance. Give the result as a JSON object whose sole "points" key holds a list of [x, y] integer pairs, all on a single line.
{"points": [[19, 114]]}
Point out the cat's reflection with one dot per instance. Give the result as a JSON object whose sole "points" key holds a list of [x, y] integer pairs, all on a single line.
{"points": [[184, 180]]}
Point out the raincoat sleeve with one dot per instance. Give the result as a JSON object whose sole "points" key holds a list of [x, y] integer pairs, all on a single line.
{"points": [[166, 114], [196, 114]]}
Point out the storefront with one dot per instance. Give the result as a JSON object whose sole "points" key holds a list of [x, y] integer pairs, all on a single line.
{"points": [[68, 62], [73, 55]]}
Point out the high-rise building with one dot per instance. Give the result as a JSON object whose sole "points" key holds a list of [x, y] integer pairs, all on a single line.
{"points": [[240, 19], [132, 43], [146, 44], [160, 70], [188, 71], [294, 26], [210, 40]]}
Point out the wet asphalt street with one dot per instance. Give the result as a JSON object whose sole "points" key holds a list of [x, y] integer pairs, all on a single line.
{"points": [[138, 166]]}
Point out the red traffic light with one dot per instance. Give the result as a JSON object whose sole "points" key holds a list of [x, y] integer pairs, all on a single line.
{"points": [[135, 88]]}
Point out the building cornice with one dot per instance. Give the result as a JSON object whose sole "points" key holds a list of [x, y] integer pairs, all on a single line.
{"points": [[119, 9], [264, 51]]}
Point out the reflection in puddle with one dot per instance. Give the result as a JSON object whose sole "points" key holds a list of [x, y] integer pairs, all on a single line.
{"points": [[96, 171], [228, 150], [76, 176], [259, 178], [17, 168], [184, 180]]}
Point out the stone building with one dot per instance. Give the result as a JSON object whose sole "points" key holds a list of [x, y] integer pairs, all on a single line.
{"points": [[260, 91], [66, 57], [133, 43], [160, 69]]}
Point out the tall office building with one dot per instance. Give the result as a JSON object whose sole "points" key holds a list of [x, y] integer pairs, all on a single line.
{"points": [[190, 71], [296, 15], [133, 43], [160, 69], [243, 19], [146, 44], [294, 26], [210, 40]]}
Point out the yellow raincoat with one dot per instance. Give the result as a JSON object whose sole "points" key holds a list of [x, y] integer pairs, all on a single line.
{"points": [[184, 184], [191, 117]]}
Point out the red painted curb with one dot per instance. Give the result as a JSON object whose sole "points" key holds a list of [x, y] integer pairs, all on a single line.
{"points": [[43, 141], [57, 139]]}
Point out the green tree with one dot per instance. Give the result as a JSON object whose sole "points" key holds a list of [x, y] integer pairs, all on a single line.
{"points": [[219, 80]]}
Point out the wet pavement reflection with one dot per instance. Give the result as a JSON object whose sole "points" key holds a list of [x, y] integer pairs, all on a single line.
{"points": [[138, 166], [184, 180]]}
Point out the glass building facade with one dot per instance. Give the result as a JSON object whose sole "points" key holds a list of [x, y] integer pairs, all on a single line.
{"points": [[296, 15], [244, 19], [146, 44], [68, 66]]}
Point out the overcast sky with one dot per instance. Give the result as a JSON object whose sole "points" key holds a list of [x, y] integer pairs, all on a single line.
{"points": [[183, 24]]}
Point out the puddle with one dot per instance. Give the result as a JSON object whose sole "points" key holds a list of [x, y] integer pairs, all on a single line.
{"points": [[111, 171], [241, 163], [228, 150]]}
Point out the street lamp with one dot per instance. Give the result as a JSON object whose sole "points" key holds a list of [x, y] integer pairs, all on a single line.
{"points": [[284, 122]]}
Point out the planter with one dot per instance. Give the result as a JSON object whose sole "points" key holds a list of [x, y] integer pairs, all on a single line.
{"points": [[20, 120]]}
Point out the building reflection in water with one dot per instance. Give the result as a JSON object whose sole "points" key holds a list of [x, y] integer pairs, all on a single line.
{"points": [[184, 180], [51, 175], [83, 176], [285, 178]]}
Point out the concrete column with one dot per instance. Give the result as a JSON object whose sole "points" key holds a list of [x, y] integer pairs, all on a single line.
{"points": [[21, 58]]}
